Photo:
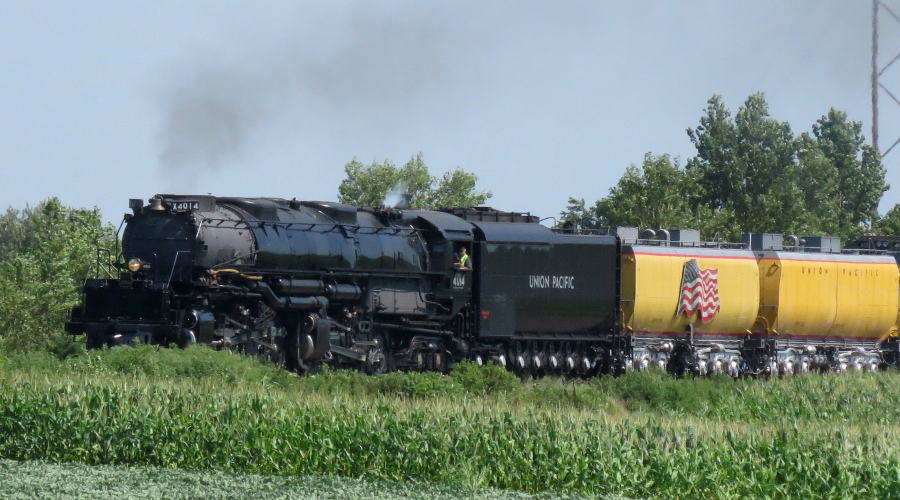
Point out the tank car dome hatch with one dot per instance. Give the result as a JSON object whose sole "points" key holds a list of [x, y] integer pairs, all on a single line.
{"points": [[824, 244], [628, 234], [764, 241], [684, 236]]}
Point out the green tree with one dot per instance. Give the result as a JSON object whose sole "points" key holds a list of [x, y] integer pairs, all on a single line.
{"points": [[41, 274], [859, 177], [889, 224], [368, 185], [656, 194], [819, 185], [751, 174], [747, 165], [578, 214], [16, 230]]}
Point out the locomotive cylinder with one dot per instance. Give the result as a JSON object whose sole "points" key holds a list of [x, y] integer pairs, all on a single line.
{"points": [[313, 303], [341, 292], [300, 287]]}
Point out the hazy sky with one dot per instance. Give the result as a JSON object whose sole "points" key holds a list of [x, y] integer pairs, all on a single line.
{"points": [[105, 101]]}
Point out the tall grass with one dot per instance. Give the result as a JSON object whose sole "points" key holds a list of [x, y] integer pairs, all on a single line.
{"points": [[643, 435]]}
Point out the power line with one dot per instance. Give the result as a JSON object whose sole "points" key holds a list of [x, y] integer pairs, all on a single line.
{"points": [[877, 6]]}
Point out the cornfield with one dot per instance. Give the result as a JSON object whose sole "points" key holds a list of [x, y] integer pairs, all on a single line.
{"points": [[644, 435]]}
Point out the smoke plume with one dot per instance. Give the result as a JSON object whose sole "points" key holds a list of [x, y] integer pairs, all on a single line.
{"points": [[378, 66]]}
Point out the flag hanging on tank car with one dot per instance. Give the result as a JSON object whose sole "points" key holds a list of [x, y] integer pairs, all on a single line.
{"points": [[699, 291]]}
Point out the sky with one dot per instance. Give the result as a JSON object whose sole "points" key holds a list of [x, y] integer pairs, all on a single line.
{"points": [[105, 101]]}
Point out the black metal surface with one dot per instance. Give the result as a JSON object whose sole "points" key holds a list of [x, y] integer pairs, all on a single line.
{"points": [[488, 214], [497, 232], [162, 240], [124, 299], [316, 237], [545, 284], [449, 226], [270, 234]]}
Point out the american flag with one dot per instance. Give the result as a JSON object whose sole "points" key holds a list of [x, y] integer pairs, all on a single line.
{"points": [[699, 291]]}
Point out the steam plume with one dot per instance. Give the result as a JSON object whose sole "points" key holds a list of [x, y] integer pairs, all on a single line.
{"points": [[396, 196]]}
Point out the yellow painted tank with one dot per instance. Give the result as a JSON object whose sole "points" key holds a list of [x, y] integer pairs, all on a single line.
{"points": [[657, 281], [828, 296]]}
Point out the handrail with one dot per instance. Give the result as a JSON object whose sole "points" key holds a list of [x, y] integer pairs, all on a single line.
{"points": [[121, 223], [99, 263], [172, 270]]}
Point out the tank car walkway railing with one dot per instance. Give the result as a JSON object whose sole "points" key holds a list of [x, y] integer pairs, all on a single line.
{"points": [[647, 241], [662, 242]]}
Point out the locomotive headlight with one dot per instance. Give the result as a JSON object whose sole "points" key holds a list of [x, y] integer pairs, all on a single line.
{"points": [[135, 265]]}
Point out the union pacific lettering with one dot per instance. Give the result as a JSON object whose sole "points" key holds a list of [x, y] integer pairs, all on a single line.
{"points": [[550, 281]]}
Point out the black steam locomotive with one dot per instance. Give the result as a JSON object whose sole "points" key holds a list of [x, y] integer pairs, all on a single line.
{"points": [[302, 283]]}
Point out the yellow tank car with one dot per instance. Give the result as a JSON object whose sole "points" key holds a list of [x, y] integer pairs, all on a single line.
{"points": [[662, 297], [828, 298]]}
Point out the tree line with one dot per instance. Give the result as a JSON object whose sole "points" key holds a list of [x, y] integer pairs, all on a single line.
{"points": [[46, 251], [752, 173]]}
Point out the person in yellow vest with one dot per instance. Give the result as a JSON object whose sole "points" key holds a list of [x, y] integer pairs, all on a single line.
{"points": [[463, 261]]}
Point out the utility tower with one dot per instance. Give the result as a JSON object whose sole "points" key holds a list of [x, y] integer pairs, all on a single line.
{"points": [[877, 7]]}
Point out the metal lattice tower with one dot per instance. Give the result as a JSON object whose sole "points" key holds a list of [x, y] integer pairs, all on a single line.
{"points": [[877, 7]]}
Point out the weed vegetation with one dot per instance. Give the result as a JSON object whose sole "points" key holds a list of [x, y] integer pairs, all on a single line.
{"points": [[640, 435]]}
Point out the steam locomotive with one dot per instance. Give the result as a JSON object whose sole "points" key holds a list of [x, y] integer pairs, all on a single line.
{"points": [[302, 283]]}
